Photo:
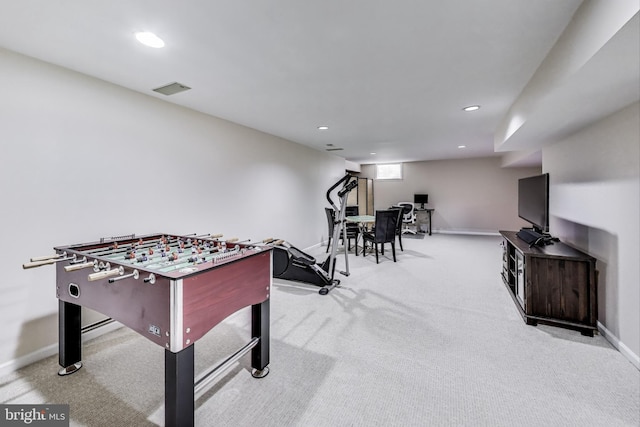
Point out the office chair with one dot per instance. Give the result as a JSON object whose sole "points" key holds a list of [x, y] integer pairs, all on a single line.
{"points": [[409, 217]]}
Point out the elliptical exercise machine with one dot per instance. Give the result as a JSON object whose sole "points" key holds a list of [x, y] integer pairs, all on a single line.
{"points": [[290, 263]]}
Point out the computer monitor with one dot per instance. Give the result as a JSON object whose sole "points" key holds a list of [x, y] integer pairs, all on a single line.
{"points": [[421, 199]]}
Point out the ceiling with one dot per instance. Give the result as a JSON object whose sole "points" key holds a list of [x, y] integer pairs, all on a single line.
{"points": [[389, 77]]}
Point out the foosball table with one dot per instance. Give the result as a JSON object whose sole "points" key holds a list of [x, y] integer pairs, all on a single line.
{"points": [[170, 289]]}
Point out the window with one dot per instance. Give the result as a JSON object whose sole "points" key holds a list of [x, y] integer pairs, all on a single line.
{"points": [[389, 171]]}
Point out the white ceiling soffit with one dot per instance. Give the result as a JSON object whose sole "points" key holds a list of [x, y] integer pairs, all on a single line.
{"points": [[593, 71]]}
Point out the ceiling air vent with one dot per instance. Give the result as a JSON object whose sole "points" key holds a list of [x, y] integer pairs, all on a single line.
{"points": [[171, 88], [334, 149]]}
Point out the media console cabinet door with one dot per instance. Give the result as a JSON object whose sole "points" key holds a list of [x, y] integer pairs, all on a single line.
{"points": [[559, 289], [520, 279]]}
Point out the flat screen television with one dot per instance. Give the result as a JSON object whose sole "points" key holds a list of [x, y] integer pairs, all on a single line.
{"points": [[533, 201], [421, 198]]}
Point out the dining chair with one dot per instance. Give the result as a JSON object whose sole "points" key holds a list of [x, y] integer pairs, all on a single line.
{"points": [[331, 223], [384, 231], [400, 211], [352, 232], [353, 229]]}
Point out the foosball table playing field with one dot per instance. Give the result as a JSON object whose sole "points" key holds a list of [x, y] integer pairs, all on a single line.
{"points": [[170, 289]]}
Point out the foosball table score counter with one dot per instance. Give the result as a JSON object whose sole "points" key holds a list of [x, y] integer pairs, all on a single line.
{"points": [[170, 289]]}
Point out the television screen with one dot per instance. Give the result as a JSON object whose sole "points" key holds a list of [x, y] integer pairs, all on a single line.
{"points": [[421, 199], [533, 201]]}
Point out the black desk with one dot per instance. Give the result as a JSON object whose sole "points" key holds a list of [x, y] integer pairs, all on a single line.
{"points": [[422, 216]]}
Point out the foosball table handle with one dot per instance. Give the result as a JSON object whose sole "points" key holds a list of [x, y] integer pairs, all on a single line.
{"points": [[106, 273], [38, 263], [48, 257], [74, 267], [44, 260]]}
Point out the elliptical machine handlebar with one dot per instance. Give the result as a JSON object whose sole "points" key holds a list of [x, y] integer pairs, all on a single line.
{"points": [[347, 188], [342, 192]]}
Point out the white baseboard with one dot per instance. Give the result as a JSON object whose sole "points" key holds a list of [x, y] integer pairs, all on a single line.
{"points": [[468, 232], [619, 345], [317, 245], [35, 356]]}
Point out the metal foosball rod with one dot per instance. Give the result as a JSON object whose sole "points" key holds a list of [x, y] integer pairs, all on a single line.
{"points": [[140, 244], [274, 242], [209, 236], [217, 256], [118, 249], [134, 274], [184, 259], [117, 255], [180, 260], [268, 242], [174, 243], [181, 256]]}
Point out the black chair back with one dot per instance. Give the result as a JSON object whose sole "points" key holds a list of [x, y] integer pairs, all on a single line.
{"points": [[351, 228], [385, 226], [384, 231], [330, 220], [400, 213]]}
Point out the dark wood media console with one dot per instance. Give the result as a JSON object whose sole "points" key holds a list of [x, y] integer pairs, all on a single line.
{"points": [[554, 284]]}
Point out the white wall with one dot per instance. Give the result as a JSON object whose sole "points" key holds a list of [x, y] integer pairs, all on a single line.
{"points": [[83, 159], [468, 195], [595, 205]]}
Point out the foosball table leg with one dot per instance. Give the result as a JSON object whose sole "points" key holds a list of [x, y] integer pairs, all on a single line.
{"points": [[179, 402], [260, 329], [69, 337]]}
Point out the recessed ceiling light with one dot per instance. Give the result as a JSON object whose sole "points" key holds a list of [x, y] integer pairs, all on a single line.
{"points": [[323, 127], [462, 146], [471, 108], [149, 39], [373, 154]]}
